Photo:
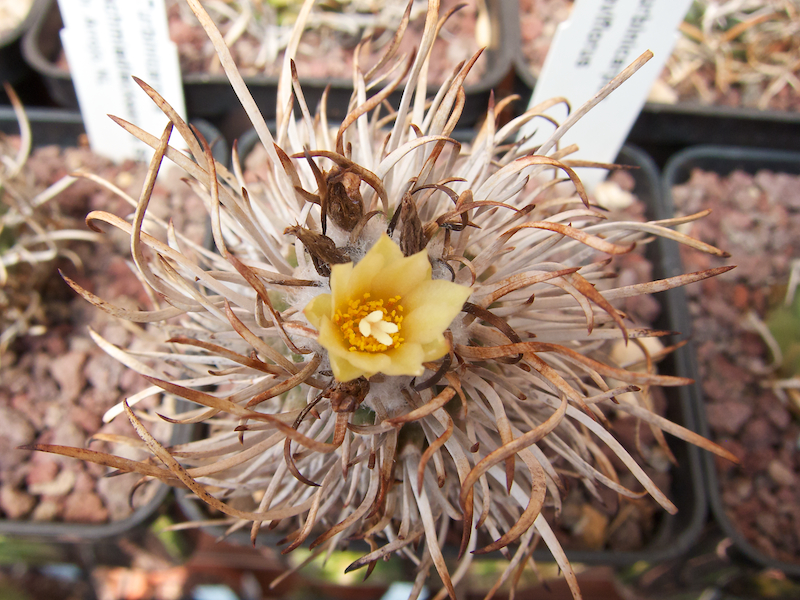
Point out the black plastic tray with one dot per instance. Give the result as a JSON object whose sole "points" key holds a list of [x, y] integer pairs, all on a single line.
{"points": [[675, 534], [48, 125], [722, 160], [689, 123], [209, 96], [63, 128], [685, 124]]}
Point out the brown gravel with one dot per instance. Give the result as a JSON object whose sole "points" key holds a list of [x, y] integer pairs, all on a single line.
{"points": [[756, 218], [55, 387], [329, 54]]}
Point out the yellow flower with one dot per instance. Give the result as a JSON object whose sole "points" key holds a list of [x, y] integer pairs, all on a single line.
{"points": [[385, 314]]}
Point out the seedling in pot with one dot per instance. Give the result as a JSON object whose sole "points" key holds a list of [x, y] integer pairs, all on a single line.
{"points": [[741, 53], [259, 33], [33, 234]]}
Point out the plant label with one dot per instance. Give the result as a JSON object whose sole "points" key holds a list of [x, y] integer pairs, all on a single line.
{"points": [[593, 46], [107, 42]]}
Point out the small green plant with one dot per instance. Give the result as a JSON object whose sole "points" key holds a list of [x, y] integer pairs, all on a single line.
{"points": [[783, 326]]}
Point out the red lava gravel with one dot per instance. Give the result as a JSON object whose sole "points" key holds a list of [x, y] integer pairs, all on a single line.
{"points": [[55, 387], [756, 219]]}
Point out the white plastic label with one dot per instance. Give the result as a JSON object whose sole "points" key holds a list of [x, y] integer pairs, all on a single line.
{"points": [[106, 42], [593, 46]]}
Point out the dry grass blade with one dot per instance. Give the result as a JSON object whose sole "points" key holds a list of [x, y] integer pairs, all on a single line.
{"points": [[434, 447], [676, 430], [288, 384], [597, 243], [431, 538], [429, 408], [528, 347], [589, 291], [522, 281], [558, 554], [253, 363], [387, 549], [353, 517]]}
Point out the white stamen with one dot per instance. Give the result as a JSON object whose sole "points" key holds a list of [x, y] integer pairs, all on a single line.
{"points": [[375, 316], [374, 325], [389, 327], [365, 327], [382, 337]]}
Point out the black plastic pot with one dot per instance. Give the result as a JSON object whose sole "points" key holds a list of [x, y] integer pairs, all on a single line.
{"points": [[687, 123], [209, 96], [675, 534], [63, 128], [12, 67], [721, 160]]}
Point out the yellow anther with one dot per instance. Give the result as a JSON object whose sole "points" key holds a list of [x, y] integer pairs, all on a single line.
{"points": [[368, 326]]}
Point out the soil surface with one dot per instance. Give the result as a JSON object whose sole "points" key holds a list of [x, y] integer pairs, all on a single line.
{"points": [[55, 382], [756, 219], [327, 53], [538, 22]]}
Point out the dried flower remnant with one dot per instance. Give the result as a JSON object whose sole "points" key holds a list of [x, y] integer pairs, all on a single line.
{"points": [[506, 392]]}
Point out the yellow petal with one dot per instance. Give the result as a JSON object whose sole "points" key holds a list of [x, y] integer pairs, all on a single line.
{"points": [[386, 248], [430, 309], [402, 276], [321, 306], [368, 362], [384, 273], [370, 268], [340, 282], [344, 370], [330, 337], [435, 350], [405, 360]]}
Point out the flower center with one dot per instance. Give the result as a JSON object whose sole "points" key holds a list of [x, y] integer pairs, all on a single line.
{"points": [[371, 325]]}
